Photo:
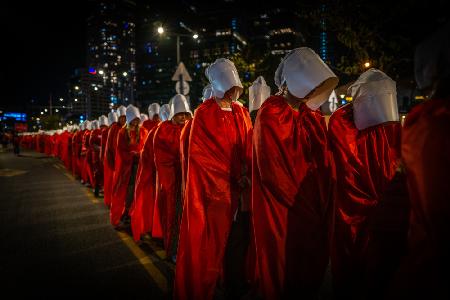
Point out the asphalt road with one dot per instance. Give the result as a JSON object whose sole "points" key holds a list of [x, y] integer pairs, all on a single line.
{"points": [[56, 240]]}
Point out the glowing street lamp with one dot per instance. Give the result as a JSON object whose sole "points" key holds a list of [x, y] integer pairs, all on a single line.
{"points": [[367, 64], [101, 72], [195, 36], [125, 74], [77, 87], [76, 100], [160, 30], [61, 99]]}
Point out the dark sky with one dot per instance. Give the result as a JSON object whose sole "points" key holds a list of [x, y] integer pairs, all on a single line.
{"points": [[41, 44]]}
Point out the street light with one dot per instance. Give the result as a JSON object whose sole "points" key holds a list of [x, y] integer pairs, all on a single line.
{"points": [[101, 72], [367, 64], [61, 99], [177, 35], [125, 74], [76, 100], [76, 87]]}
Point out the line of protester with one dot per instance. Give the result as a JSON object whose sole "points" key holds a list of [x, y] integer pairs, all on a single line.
{"points": [[258, 203]]}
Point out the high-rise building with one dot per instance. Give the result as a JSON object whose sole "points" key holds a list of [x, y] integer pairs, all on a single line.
{"points": [[87, 95], [111, 49]]}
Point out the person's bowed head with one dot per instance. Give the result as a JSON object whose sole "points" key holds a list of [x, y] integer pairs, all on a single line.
{"points": [[164, 112], [180, 111], [224, 79], [374, 99], [153, 111], [133, 117], [302, 76], [112, 118]]}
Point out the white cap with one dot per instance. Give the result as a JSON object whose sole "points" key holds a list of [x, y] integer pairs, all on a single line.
{"points": [[88, 125], [153, 109], [222, 75], [95, 125], [207, 92], [132, 113], [103, 120], [302, 70], [144, 117], [374, 99], [59, 131], [164, 112], [432, 58], [112, 117], [121, 111], [179, 104], [65, 128], [258, 93]]}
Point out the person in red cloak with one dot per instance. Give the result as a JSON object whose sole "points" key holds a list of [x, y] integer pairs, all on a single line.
{"points": [[77, 141], [66, 148], [117, 121], [144, 193], [214, 227], [153, 117], [95, 145], [130, 141], [104, 126], [86, 170], [166, 145], [292, 180], [426, 156], [184, 143], [371, 202]]}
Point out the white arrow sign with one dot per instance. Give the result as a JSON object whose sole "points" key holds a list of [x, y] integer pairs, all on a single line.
{"points": [[185, 87], [333, 101], [181, 70]]}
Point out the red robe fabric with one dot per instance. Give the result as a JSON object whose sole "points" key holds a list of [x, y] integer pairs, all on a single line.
{"points": [[371, 205], [219, 151], [291, 199], [66, 150], [184, 150], [426, 155], [108, 162], [95, 145], [145, 189], [103, 140], [86, 171], [129, 145], [150, 124], [166, 147], [77, 141]]}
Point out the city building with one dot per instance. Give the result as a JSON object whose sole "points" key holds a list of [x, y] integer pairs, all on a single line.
{"points": [[111, 49]]}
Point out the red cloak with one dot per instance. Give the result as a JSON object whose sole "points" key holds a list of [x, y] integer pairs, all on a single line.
{"points": [[184, 150], [219, 151], [66, 149], [94, 145], [426, 155], [129, 145], [166, 147], [108, 162], [76, 153], [150, 124], [371, 211], [291, 199], [145, 189], [103, 140], [85, 157]]}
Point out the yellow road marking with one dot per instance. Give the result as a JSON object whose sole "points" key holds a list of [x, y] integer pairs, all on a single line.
{"points": [[143, 258]]}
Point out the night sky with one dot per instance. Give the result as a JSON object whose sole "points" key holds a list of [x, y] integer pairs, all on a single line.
{"points": [[41, 43]]}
